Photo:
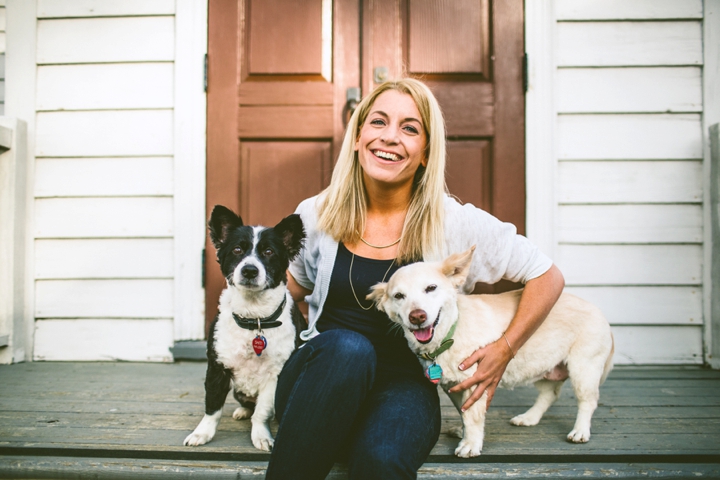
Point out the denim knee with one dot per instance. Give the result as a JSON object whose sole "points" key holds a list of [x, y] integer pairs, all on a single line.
{"points": [[346, 348]]}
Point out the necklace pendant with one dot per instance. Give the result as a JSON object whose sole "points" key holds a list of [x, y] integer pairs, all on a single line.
{"points": [[434, 373], [259, 344]]}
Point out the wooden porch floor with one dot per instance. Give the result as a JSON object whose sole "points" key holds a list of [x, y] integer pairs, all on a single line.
{"points": [[128, 420]]}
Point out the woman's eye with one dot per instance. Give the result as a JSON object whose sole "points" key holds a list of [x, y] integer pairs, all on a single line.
{"points": [[399, 296], [411, 129], [377, 121], [238, 251], [430, 288]]}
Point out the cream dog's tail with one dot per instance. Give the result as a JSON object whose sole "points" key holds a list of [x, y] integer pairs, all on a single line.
{"points": [[609, 361]]}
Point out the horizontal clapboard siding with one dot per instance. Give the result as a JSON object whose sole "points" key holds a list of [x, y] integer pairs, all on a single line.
{"points": [[629, 10], [630, 223], [612, 44], [103, 8], [147, 340], [105, 86], [103, 217], [644, 305], [629, 220], [103, 177], [630, 89], [2, 58], [105, 133], [116, 298], [104, 256], [102, 40]]}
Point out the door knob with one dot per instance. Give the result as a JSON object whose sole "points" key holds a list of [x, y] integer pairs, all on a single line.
{"points": [[352, 98]]}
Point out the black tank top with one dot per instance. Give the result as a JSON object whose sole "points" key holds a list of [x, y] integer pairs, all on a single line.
{"points": [[341, 310]]}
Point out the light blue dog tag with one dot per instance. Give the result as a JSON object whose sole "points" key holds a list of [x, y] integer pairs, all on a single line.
{"points": [[434, 373]]}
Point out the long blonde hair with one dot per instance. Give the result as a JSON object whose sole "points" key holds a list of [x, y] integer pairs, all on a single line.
{"points": [[343, 206]]}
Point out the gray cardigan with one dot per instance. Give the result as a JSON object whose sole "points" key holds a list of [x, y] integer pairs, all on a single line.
{"points": [[500, 253]]}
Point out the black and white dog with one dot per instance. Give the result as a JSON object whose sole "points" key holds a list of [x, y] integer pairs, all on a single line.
{"points": [[258, 324]]}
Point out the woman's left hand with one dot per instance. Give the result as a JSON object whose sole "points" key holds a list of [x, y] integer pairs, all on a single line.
{"points": [[492, 360]]}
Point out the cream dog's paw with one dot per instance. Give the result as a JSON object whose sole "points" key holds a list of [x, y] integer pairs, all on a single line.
{"points": [[468, 448], [579, 435], [525, 420]]}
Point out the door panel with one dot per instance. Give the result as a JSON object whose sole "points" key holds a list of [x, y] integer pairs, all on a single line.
{"points": [[277, 81]]}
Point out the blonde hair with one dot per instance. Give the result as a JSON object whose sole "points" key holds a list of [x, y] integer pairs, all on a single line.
{"points": [[342, 209]]}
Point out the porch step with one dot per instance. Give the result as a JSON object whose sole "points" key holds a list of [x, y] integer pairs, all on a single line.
{"points": [[25, 467]]}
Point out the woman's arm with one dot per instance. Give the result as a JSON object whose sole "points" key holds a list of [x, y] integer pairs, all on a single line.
{"points": [[297, 291], [536, 301]]}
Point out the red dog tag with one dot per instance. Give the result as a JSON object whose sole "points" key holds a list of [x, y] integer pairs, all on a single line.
{"points": [[259, 344]]}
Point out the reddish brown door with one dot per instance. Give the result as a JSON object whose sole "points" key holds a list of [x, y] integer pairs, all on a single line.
{"points": [[279, 71]]}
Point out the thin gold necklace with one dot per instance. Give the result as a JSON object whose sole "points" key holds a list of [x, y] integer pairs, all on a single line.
{"points": [[352, 260], [380, 246]]}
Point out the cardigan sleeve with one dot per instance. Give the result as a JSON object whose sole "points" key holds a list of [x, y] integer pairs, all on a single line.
{"points": [[304, 267], [500, 252]]}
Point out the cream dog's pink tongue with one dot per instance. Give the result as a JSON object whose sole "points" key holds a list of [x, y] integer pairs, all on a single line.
{"points": [[423, 334]]}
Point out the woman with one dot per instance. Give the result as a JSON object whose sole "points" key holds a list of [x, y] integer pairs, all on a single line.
{"points": [[354, 391]]}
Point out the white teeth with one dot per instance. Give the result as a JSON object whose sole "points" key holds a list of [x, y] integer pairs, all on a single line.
{"points": [[387, 156]]}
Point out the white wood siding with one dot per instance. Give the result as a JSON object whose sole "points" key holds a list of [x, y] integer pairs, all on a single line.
{"points": [[2, 58], [104, 225], [629, 172]]}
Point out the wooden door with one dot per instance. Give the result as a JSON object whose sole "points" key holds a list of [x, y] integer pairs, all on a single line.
{"points": [[278, 76]]}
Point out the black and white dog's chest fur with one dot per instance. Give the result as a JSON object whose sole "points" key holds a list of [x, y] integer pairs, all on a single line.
{"points": [[255, 304]]}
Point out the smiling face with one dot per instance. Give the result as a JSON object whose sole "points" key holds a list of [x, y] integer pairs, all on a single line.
{"points": [[392, 140]]}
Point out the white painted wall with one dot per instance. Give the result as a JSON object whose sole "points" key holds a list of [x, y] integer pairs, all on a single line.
{"points": [[2, 57], [118, 179], [623, 83]]}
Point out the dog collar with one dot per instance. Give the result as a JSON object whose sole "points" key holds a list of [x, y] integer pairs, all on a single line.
{"points": [[444, 345], [260, 323]]}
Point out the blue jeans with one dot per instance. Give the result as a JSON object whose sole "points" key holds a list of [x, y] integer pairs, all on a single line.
{"points": [[333, 403]]}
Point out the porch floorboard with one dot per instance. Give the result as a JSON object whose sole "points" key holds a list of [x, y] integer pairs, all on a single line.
{"points": [[128, 420]]}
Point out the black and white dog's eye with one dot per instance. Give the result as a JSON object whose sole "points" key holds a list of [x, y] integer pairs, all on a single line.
{"points": [[430, 288], [268, 252], [399, 296], [238, 251]]}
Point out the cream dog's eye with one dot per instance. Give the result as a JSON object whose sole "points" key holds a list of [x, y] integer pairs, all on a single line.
{"points": [[430, 288], [399, 296]]}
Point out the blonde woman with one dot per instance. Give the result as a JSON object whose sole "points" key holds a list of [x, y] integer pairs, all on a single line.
{"points": [[354, 392]]}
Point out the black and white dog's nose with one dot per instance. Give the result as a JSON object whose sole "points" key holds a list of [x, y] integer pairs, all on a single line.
{"points": [[249, 271]]}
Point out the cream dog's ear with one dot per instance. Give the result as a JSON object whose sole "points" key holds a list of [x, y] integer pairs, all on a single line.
{"points": [[457, 266], [377, 294]]}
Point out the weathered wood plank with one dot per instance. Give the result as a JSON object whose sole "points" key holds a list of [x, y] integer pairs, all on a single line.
{"points": [[114, 133], [99, 40], [630, 182], [100, 8], [104, 258], [628, 9], [97, 299], [106, 340], [629, 43], [103, 177], [103, 217], [625, 90], [629, 136], [630, 223], [646, 305], [105, 86]]}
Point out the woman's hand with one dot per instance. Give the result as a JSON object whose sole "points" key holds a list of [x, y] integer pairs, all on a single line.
{"points": [[536, 301], [491, 360]]}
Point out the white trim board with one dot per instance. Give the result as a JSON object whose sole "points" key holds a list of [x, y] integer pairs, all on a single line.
{"points": [[189, 180]]}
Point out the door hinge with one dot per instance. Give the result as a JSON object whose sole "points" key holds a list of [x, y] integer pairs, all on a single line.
{"points": [[525, 73], [205, 73], [202, 268]]}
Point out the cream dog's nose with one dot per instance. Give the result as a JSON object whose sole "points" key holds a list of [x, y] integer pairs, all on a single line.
{"points": [[418, 317]]}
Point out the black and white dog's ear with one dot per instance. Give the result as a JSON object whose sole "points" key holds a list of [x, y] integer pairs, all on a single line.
{"points": [[292, 232], [222, 220]]}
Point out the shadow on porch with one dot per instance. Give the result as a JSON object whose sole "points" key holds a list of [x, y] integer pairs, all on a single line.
{"points": [[128, 420]]}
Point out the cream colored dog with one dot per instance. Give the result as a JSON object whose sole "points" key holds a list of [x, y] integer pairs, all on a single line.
{"points": [[575, 338]]}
